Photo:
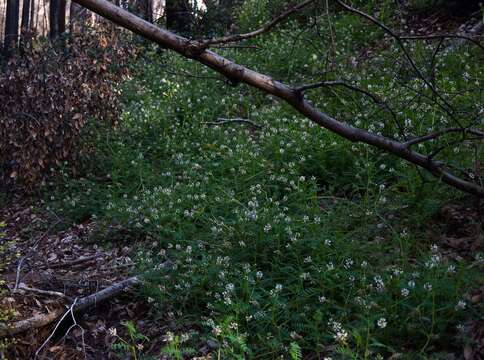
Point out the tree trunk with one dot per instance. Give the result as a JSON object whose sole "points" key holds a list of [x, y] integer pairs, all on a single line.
{"points": [[148, 10], [143, 8], [178, 15], [11, 26], [62, 17], [32, 14], [54, 9], [57, 18], [25, 15]]}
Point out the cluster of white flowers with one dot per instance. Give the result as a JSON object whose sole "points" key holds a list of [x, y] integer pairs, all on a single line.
{"points": [[339, 333]]}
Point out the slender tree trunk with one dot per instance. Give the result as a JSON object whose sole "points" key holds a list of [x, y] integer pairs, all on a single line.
{"points": [[25, 15], [57, 18], [178, 15], [148, 10], [32, 13], [75, 12], [11, 26], [143, 8], [62, 17], [54, 8]]}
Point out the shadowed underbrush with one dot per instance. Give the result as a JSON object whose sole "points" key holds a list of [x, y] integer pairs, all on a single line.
{"points": [[282, 240]]}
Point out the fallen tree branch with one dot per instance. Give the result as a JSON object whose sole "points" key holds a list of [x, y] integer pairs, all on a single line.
{"points": [[42, 292], [17, 276], [239, 73], [221, 121], [35, 322], [40, 320], [72, 262]]}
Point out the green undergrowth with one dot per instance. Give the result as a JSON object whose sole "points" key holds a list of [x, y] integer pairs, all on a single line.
{"points": [[280, 240]]}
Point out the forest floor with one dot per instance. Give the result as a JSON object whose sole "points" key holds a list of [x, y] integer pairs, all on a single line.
{"points": [[70, 262], [46, 263], [65, 263]]}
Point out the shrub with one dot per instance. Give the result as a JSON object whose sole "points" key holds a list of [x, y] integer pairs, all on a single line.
{"points": [[48, 93]]}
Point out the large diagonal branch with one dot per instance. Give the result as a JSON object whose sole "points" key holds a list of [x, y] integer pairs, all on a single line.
{"points": [[265, 83]]}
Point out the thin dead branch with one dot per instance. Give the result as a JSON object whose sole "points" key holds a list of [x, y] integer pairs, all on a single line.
{"points": [[436, 134], [81, 304], [265, 28], [347, 85], [443, 36], [450, 110], [74, 262], [71, 312], [222, 121], [19, 270], [42, 292], [377, 100]]}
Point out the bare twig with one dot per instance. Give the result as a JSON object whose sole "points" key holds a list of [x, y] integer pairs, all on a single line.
{"points": [[255, 47], [407, 55], [81, 304], [56, 327], [221, 121], [442, 36], [265, 28], [19, 269], [434, 153], [80, 260], [433, 62], [377, 100], [436, 134], [187, 74], [74, 324], [43, 292]]}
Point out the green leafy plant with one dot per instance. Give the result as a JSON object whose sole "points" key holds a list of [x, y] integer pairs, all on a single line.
{"points": [[175, 348], [281, 239], [295, 351], [133, 344]]}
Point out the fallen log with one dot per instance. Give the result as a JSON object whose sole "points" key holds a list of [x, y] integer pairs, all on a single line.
{"points": [[236, 73], [81, 304]]}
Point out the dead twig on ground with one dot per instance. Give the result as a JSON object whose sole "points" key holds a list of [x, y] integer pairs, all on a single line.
{"points": [[221, 121], [81, 304], [72, 262], [42, 292], [19, 269]]}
